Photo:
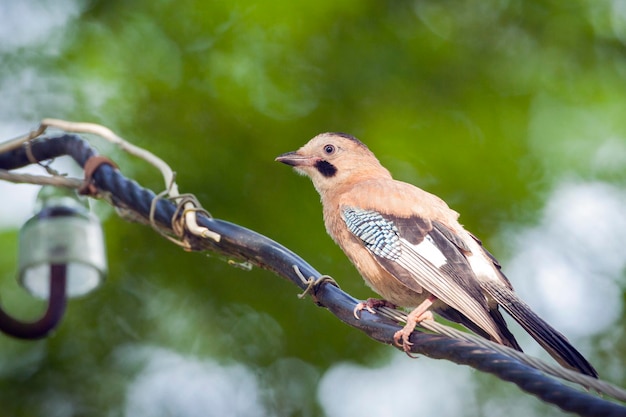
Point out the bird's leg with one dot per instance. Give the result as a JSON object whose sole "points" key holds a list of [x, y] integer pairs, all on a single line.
{"points": [[419, 314], [370, 304]]}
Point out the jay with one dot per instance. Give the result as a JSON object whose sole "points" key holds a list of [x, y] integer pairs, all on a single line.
{"points": [[410, 248]]}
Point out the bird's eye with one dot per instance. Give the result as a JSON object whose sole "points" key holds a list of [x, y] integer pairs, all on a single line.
{"points": [[329, 149]]}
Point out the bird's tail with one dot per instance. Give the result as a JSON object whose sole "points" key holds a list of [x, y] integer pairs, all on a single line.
{"points": [[551, 340]]}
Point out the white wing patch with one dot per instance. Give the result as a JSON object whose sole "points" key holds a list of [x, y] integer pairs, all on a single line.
{"points": [[481, 266], [430, 251]]}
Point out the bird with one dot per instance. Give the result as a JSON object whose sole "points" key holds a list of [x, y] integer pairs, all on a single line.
{"points": [[410, 248]]}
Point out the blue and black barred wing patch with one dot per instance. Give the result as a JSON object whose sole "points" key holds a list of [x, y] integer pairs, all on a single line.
{"points": [[378, 234]]}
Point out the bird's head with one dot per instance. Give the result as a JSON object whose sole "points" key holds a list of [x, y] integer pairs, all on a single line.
{"points": [[334, 159]]}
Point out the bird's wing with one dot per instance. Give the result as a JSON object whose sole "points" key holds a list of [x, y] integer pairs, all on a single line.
{"points": [[418, 251], [494, 261]]}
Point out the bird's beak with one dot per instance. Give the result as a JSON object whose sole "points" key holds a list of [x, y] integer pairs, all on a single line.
{"points": [[294, 159]]}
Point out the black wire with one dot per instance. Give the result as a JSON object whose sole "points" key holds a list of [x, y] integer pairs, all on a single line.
{"points": [[245, 244]]}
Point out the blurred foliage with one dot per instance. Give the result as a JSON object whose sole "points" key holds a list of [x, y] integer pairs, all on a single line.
{"points": [[486, 103]]}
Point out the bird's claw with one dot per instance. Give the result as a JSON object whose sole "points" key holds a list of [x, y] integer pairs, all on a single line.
{"points": [[406, 344], [404, 334], [370, 304], [413, 319], [360, 307]]}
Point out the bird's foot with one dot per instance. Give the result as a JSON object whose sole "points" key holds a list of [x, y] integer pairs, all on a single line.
{"points": [[407, 330], [416, 316], [370, 304]]}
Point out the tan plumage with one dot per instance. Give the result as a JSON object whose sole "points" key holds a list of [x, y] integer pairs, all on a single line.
{"points": [[410, 248], [365, 195]]}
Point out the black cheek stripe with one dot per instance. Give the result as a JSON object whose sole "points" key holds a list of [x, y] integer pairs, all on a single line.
{"points": [[326, 168]]}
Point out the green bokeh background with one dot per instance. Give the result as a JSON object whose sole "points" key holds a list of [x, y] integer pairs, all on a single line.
{"points": [[486, 103]]}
